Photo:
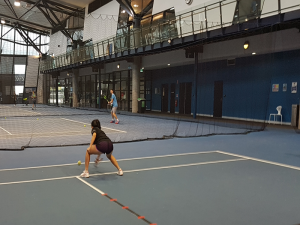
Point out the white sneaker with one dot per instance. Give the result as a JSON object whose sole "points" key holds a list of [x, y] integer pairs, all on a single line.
{"points": [[120, 172], [97, 161], [85, 174]]}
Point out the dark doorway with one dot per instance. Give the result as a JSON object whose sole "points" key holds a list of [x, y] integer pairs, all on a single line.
{"points": [[165, 98], [218, 98], [185, 98], [172, 100]]}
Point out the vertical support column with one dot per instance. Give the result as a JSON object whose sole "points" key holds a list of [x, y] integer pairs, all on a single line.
{"points": [[99, 92], [56, 90], [195, 84], [135, 83], [45, 88], [75, 87]]}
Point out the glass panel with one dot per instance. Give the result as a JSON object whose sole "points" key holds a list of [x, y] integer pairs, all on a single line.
{"points": [[186, 24], [213, 16], [290, 5], [88, 97], [93, 96], [228, 9], [83, 99], [61, 92]]}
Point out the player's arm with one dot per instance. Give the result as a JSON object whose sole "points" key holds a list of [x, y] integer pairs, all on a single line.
{"points": [[93, 139]]}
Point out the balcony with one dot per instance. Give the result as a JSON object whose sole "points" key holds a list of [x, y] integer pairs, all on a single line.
{"points": [[215, 20]]}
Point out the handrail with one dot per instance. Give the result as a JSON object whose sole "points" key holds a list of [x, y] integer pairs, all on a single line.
{"points": [[196, 21]]}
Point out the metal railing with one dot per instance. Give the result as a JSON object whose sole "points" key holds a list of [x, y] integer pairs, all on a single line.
{"points": [[217, 15]]}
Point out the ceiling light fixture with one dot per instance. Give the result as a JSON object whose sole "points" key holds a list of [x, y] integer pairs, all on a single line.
{"points": [[254, 53], [17, 3], [2, 21], [123, 11], [169, 64], [118, 66], [135, 5]]}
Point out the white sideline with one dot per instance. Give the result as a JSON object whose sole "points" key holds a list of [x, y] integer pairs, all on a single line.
{"points": [[260, 160], [121, 131], [5, 131], [119, 160], [127, 171], [93, 187]]}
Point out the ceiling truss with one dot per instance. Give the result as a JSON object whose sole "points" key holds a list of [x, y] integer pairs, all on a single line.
{"points": [[49, 9]]}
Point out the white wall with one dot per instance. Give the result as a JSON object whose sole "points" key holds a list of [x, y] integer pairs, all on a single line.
{"points": [[179, 5], [58, 39], [102, 23]]}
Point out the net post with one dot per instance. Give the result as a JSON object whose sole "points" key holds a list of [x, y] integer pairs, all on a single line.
{"points": [[195, 83]]}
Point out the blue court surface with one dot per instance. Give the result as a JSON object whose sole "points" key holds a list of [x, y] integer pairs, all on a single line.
{"points": [[163, 183]]}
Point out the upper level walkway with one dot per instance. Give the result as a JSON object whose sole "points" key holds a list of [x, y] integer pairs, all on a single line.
{"points": [[213, 22]]}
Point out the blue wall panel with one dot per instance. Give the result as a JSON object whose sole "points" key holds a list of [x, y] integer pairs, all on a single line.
{"points": [[247, 85]]}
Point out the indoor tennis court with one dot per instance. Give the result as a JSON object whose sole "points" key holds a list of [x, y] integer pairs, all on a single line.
{"points": [[206, 187], [197, 100]]}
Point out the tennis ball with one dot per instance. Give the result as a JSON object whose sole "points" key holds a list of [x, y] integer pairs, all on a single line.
{"points": [[84, 125], [79, 163], [37, 119]]}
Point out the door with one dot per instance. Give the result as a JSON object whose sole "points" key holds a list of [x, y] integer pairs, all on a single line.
{"points": [[188, 98], [165, 98], [185, 98], [218, 98], [181, 98], [172, 99]]}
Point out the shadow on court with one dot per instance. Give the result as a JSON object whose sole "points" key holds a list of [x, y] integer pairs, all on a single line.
{"points": [[191, 188]]}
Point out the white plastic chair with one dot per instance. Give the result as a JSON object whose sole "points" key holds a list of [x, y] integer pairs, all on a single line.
{"points": [[279, 108]]}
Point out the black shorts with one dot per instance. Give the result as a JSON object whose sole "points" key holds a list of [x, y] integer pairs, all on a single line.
{"points": [[34, 101], [105, 147]]}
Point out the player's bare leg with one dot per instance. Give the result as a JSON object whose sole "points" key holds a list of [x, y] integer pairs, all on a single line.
{"points": [[115, 116], [115, 163]]}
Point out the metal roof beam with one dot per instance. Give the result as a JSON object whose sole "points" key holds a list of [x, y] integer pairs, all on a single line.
{"points": [[128, 9], [30, 9], [57, 9], [7, 2], [25, 21], [65, 32], [27, 39]]}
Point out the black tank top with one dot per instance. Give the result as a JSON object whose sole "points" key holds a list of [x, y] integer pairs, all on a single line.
{"points": [[100, 135]]}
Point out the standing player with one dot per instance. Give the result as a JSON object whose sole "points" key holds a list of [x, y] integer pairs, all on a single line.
{"points": [[33, 96], [114, 104], [100, 144]]}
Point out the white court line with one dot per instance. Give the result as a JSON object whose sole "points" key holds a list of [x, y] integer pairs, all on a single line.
{"points": [[128, 171], [5, 131], [16, 120], [121, 131], [119, 160], [93, 187], [260, 160], [29, 135]]}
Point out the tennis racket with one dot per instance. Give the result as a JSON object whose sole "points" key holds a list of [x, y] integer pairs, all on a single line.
{"points": [[108, 108]]}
